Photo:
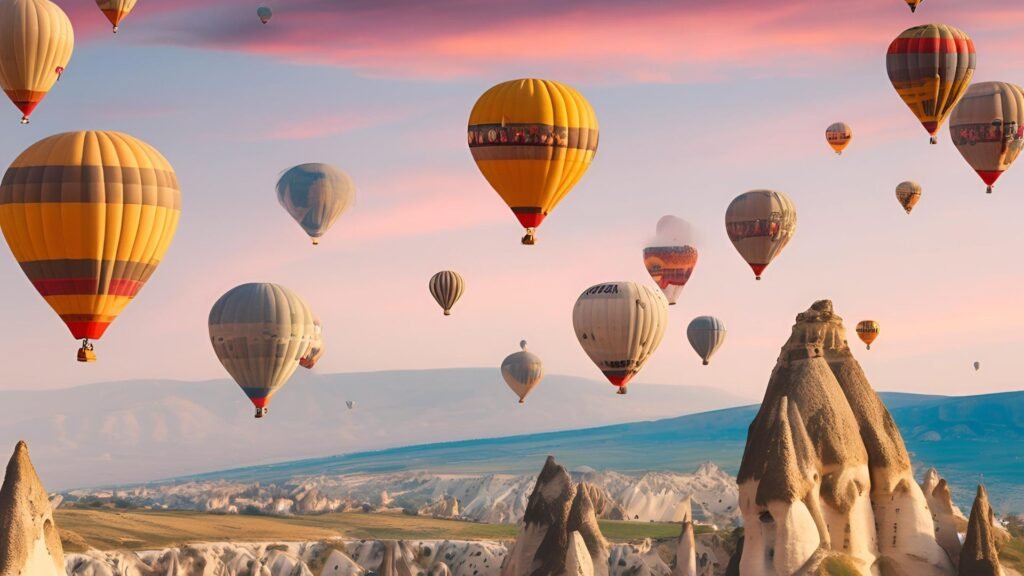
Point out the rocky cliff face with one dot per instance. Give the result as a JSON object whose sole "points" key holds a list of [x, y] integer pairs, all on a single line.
{"points": [[978, 556], [825, 482], [29, 541]]}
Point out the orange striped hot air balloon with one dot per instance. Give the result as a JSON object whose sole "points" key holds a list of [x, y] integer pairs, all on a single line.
{"points": [[36, 41], [116, 10], [838, 136], [89, 216], [913, 4], [930, 67]]}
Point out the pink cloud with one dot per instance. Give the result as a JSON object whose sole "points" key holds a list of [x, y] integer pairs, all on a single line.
{"points": [[321, 126]]}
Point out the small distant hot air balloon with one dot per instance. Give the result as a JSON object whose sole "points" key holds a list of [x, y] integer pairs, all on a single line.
{"points": [[36, 39], [619, 325], [116, 10], [760, 223], [838, 136], [706, 334], [315, 195], [447, 287], [913, 4], [908, 193], [532, 140], [350, 404], [259, 331], [265, 13], [670, 259], [930, 67], [977, 366], [89, 216], [987, 128], [522, 371], [316, 350], [868, 330]]}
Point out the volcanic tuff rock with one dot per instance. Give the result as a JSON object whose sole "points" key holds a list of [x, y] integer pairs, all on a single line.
{"points": [[825, 482], [29, 541], [949, 520], [686, 551], [979, 556]]}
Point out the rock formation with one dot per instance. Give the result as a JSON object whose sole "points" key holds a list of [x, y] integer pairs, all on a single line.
{"points": [[825, 483], [29, 541], [978, 556], [541, 545], [948, 519], [686, 550], [583, 524]]}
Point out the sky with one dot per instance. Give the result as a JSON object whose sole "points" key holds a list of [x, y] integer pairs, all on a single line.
{"points": [[698, 101]]}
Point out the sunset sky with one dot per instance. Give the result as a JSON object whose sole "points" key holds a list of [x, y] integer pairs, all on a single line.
{"points": [[698, 101]]}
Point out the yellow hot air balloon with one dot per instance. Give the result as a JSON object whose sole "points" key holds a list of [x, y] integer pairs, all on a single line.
{"points": [[620, 325], [868, 330], [259, 332], [533, 140], [315, 195], [760, 223], [987, 127], [316, 350], [522, 371], [838, 136], [913, 4], [89, 216], [116, 10], [930, 67], [908, 193], [36, 41], [447, 287]]}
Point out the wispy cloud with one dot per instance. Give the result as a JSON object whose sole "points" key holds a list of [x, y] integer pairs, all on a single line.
{"points": [[322, 126]]}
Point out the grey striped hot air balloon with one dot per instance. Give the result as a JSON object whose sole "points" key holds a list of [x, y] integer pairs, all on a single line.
{"points": [[447, 287], [522, 371], [706, 334], [315, 195], [264, 13], [259, 332]]}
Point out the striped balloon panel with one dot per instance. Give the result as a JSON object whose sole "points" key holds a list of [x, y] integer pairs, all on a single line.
{"points": [[706, 334], [259, 331], [116, 10], [315, 195], [620, 325], [760, 223], [532, 140], [89, 216], [987, 127], [447, 287], [930, 67], [36, 39]]}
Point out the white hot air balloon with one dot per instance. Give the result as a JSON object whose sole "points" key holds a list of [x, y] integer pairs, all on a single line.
{"points": [[522, 371], [706, 334]]}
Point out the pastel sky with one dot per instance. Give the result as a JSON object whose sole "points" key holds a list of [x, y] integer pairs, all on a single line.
{"points": [[698, 101]]}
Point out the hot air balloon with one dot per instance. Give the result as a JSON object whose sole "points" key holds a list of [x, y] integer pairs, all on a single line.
{"points": [[265, 13], [930, 67], [760, 223], [908, 193], [315, 195], [316, 350], [987, 127], [868, 330], [447, 287], [522, 371], [259, 331], [913, 4], [706, 334], [977, 365], [116, 10], [350, 404], [838, 136], [670, 258], [533, 140], [36, 39], [89, 216], [619, 325]]}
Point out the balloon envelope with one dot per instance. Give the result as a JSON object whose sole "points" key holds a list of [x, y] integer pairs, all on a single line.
{"points": [[89, 216], [913, 4], [760, 223], [36, 40], [620, 325], [532, 140], [116, 10], [838, 136], [522, 371], [259, 331], [316, 349], [868, 330], [315, 195], [930, 67], [265, 13], [706, 334], [977, 365], [987, 128], [447, 287], [908, 193], [670, 267]]}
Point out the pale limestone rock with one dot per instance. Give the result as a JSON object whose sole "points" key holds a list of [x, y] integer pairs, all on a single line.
{"points": [[29, 541]]}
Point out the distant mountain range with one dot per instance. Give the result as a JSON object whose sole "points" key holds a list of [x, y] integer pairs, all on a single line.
{"points": [[965, 438], [139, 431]]}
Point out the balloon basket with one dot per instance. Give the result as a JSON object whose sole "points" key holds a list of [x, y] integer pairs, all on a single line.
{"points": [[447, 312], [24, 119], [529, 239], [706, 363], [621, 390], [261, 412]]}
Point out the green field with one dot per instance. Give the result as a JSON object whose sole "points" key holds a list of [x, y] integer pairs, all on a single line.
{"points": [[143, 530]]}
